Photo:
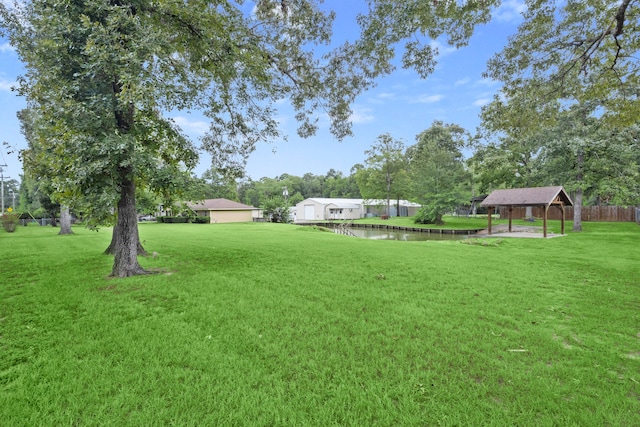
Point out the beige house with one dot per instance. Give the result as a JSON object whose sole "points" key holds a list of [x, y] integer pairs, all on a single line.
{"points": [[224, 210]]}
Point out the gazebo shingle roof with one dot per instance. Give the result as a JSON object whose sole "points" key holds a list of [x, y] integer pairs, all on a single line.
{"points": [[536, 196]]}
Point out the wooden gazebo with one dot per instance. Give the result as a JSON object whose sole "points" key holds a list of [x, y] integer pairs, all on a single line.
{"points": [[522, 197]]}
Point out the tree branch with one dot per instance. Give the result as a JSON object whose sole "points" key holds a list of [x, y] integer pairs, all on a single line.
{"points": [[594, 43], [620, 17]]}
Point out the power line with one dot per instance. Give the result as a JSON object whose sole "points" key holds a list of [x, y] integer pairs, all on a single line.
{"points": [[4, 159]]}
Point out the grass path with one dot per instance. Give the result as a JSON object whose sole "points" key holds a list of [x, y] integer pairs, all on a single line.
{"points": [[267, 324]]}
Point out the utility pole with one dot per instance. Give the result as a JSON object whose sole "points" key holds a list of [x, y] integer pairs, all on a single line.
{"points": [[2, 189]]}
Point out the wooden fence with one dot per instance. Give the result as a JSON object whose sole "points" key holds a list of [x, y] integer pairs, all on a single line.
{"points": [[589, 213]]}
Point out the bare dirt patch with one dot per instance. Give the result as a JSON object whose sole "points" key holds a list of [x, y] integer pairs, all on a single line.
{"points": [[504, 228]]}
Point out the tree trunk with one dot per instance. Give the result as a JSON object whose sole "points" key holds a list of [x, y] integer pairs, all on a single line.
{"points": [[65, 220], [577, 201], [125, 234], [388, 195], [111, 249], [577, 210], [528, 215]]}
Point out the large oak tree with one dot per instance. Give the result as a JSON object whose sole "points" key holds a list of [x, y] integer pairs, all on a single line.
{"points": [[591, 159]]}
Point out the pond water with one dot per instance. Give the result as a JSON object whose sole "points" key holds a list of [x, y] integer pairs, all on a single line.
{"points": [[413, 236]]}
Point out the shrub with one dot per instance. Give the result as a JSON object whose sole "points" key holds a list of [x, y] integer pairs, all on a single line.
{"points": [[201, 220], [9, 221], [276, 210], [428, 215], [173, 219], [434, 208]]}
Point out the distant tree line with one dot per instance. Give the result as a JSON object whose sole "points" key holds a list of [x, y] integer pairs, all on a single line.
{"points": [[598, 164]]}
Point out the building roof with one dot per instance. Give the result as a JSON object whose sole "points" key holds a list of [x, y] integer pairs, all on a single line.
{"points": [[219, 205], [335, 201], [357, 203], [345, 205], [536, 196], [383, 202], [477, 199]]}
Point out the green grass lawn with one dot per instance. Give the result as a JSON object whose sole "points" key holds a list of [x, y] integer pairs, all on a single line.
{"points": [[280, 325]]}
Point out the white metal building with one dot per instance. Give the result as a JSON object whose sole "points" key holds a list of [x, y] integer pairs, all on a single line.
{"points": [[322, 209]]}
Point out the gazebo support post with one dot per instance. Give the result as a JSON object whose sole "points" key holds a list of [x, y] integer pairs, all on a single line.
{"points": [[490, 212], [562, 220], [544, 225], [510, 217]]}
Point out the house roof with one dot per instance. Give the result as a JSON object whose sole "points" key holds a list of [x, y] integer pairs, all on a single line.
{"points": [[219, 205], [536, 196]]}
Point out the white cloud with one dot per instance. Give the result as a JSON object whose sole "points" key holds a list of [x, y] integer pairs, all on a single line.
{"points": [[510, 11], [481, 102], [361, 115], [487, 82], [382, 98], [462, 82], [426, 99], [441, 48], [188, 125], [6, 86], [6, 47]]}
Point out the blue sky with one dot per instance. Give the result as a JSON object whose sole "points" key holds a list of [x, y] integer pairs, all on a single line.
{"points": [[401, 104]]}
